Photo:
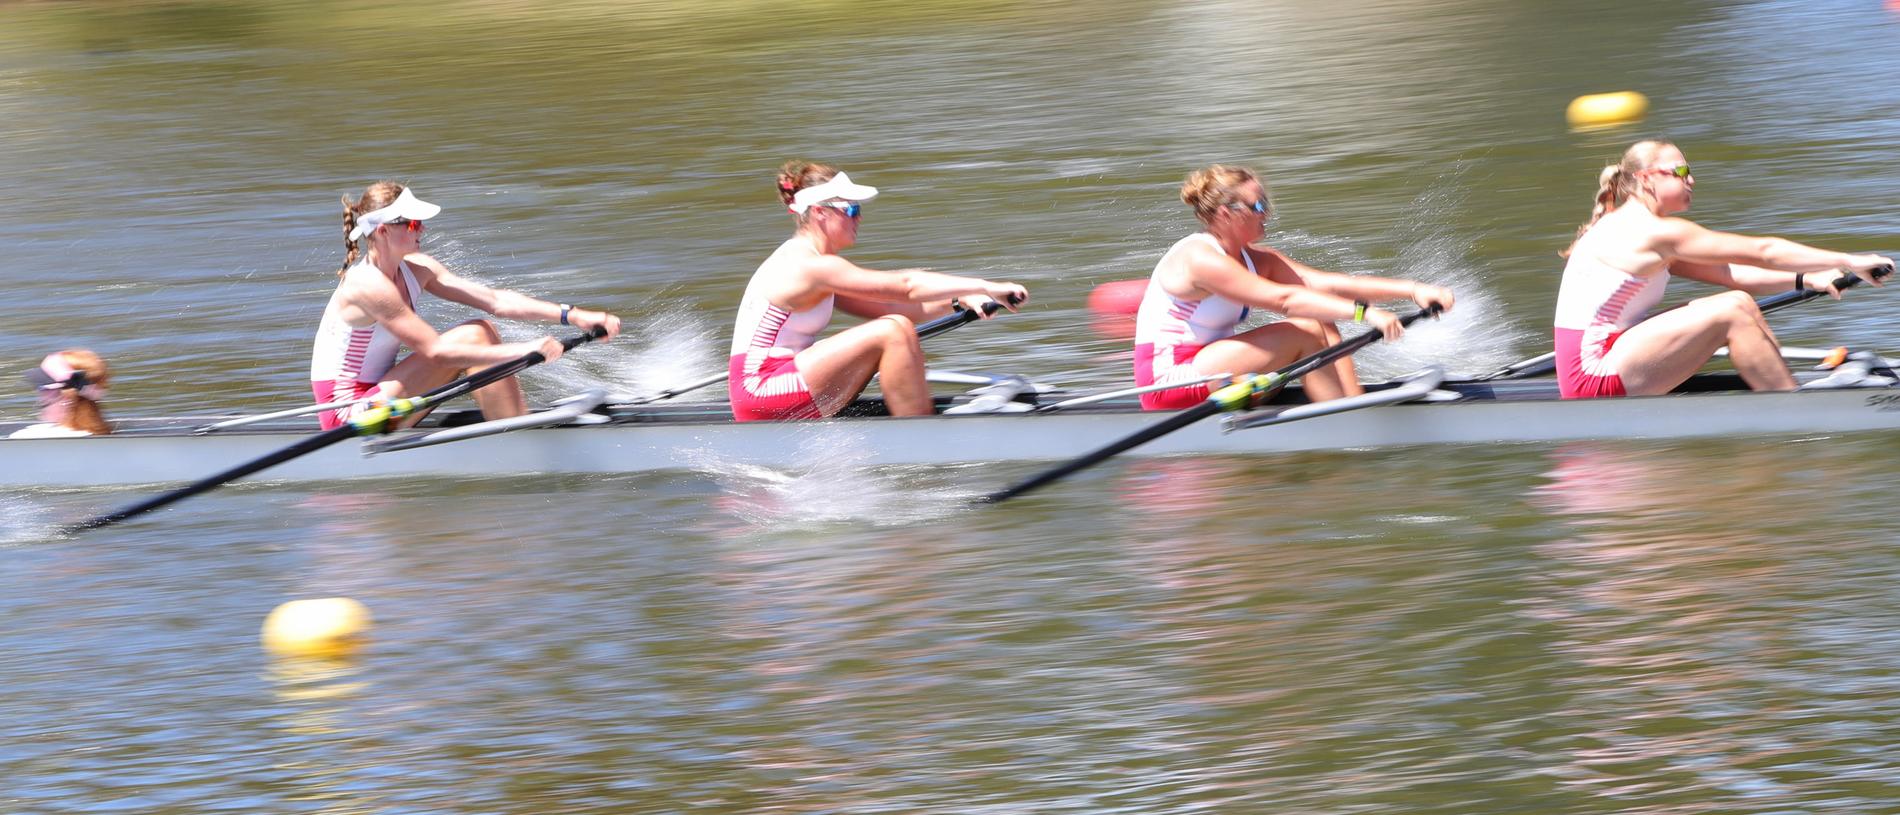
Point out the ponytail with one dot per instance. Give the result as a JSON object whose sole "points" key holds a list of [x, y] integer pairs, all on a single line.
{"points": [[349, 246], [377, 196]]}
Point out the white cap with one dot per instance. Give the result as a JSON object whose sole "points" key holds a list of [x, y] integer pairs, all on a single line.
{"points": [[839, 186], [406, 207]]}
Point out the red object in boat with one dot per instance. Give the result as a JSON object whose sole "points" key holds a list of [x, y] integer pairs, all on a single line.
{"points": [[1123, 296]]}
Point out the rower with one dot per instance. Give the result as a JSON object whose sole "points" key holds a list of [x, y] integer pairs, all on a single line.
{"points": [[69, 385], [1207, 282], [779, 369], [1623, 257], [373, 313]]}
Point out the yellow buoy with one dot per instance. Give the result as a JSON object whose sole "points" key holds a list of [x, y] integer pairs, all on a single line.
{"points": [[1606, 109], [330, 627]]}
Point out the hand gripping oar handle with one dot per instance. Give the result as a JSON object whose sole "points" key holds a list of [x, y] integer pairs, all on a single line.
{"points": [[1233, 397], [963, 315], [1767, 304], [375, 420]]}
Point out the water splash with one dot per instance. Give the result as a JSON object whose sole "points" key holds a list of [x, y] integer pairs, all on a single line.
{"points": [[1476, 335], [668, 344], [834, 482], [673, 349], [24, 521]]}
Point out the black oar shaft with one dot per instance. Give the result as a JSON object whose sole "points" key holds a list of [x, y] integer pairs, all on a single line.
{"points": [[1164, 427], [308, 445], [497, 372], [402, 407], [1232, 397]]}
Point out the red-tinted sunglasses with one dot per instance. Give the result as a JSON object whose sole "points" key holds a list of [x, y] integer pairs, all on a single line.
{"points": [[414, 227]]}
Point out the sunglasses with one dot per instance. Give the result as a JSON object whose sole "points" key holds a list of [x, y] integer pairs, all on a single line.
{"points": [[1258, 205], [1679, 171], [414, 227], [851, 209]]}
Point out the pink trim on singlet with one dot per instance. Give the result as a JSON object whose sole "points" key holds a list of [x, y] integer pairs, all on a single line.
{"points": [[326, 393], [773, 391], [1596, 303], [765, 387], [1170, 331], [1182, 367], [1581, 370]]}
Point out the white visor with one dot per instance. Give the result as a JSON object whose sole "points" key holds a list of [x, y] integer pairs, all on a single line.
{"points": [[406, 207], [839, 186]]}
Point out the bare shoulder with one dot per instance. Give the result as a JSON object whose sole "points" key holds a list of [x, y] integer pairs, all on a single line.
{"points": [[368, 289], [1267, 257], [424, 266]]}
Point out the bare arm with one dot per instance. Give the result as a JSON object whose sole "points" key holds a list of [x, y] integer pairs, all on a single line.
{"points": [[871, 309], [1212, 270], [387, 307], [1752, 279], [505, 303], [929, 292], [1352, 287], [1704, 249]]}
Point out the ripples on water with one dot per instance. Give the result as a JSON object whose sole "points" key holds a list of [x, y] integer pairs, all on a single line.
{"points": [[1608, 627]]}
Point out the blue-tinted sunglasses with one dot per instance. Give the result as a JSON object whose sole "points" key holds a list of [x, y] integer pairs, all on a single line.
{"points": [[851, 209], [1259, 206]]}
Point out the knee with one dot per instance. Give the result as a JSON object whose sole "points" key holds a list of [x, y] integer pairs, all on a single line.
{"points": [[897, 328], [1315, 333], [1737, 305], [475, 331]]}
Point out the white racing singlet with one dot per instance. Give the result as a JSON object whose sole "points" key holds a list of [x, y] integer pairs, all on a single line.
{"points": [[1169, 329], [345, 354]]}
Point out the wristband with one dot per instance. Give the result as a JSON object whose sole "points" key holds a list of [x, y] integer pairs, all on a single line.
{"points": [[1358, 311], [1799, 283], [565, 308]]}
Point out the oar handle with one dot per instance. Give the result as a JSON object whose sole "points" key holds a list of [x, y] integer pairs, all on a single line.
{"points": [[1790, 298], [1243, 394], [495, 373], [962, 315]]}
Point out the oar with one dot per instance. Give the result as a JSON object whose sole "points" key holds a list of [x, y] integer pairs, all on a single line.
{"points": [[1545, 363], [1117, 394], [265, 417], [368, 423], [925, 331], [1233, 397]]}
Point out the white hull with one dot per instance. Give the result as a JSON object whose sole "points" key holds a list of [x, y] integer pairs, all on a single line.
{"points": [[681, 438]]}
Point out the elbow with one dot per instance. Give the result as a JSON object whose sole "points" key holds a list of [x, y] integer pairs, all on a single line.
{"points": [[1774, 253], [912, 285], [435, 353]]}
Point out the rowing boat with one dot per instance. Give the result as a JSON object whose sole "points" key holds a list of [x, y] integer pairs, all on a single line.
{"points": [[631, 438]]}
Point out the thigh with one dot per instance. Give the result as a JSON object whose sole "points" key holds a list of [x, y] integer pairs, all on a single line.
{"points": [[1257, 351], [837, 368], [1657, 354], [413, 374]]}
